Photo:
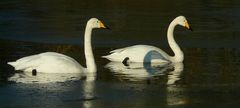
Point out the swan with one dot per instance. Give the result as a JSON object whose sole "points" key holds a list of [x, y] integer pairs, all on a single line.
{"points": [[52, 62], [139, 53]]}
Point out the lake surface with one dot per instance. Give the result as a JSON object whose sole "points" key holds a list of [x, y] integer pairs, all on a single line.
{"points": [[208, 77]]}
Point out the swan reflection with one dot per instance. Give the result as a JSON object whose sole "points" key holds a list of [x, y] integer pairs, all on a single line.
{"points": [[83, 91], [89, 90], [174, 76], [144, 71], [176, 95], [28, 77]]}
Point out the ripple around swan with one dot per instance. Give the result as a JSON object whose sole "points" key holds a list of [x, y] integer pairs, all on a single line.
{"points": [[27, 77], [146, 71]]}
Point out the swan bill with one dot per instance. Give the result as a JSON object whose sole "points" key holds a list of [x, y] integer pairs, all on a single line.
{"points": [[190, 28], [186, 25], [103, 26]]}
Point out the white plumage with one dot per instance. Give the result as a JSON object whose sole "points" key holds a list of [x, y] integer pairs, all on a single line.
{"points": [[138, 53], [49, 62]]}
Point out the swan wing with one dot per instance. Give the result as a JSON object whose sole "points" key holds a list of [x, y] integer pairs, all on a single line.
{"points": [[137, 53], [22, 63]]}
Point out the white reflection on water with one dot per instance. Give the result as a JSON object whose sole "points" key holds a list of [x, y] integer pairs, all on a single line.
{"points": [[27, 77], [82, 92], [143, 71], [176, 96], [174, 75], [88, 90]]}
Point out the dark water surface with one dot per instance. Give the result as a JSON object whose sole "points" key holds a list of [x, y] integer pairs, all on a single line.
{"points": [[209, 76]]}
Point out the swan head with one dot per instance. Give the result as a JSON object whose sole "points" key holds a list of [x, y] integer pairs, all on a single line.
{"points": [[95, 23], [181, 20]]}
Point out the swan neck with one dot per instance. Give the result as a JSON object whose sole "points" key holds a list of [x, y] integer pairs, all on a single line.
{"points": [[178, 54], [90, 62]]}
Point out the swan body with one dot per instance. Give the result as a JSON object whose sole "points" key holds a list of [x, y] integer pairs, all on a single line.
{"points": [[52, 62], [139, 53]]}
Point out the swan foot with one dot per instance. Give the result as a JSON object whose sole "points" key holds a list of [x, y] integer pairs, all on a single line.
{"points": [[125, 61], [34, 72]]}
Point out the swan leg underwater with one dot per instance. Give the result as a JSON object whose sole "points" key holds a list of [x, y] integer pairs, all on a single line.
{"points": [[52, 62], [147, 53]]}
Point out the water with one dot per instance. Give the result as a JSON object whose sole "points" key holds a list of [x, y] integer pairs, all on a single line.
{"points": [[209, 76]]}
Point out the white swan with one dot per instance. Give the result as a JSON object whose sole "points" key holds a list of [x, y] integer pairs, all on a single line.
{"points": [[141, 53], [52, 62]]}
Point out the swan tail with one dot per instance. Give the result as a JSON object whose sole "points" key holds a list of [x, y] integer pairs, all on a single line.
{"points": [[17, 66], [106, 57], [12, 63], [109, 57], [112, 57]]}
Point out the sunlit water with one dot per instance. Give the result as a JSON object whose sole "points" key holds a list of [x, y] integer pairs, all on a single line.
{"points": [[208, 77]]}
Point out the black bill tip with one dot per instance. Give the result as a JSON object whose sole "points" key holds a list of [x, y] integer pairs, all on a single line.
{"points": [[190, 28], [107, 28]]}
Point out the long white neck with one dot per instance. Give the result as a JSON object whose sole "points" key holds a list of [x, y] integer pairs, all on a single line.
{"points": [[90, 62], [178, 54]]}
